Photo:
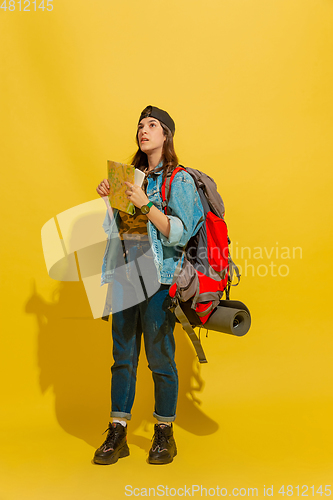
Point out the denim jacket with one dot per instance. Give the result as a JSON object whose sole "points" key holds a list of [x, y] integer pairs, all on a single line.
{"points": [[185, 214]]}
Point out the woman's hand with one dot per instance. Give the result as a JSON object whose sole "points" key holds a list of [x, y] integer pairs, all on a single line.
{"points": [[103, 188], [136, 195]]}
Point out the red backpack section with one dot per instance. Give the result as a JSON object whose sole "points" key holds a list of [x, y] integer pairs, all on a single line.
{"points": [[203, 275]]}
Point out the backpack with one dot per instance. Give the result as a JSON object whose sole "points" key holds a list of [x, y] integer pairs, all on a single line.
{"points": [[205, 271]]}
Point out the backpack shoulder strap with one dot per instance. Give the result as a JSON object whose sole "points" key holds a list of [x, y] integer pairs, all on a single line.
{"points": [[182, 318], [209, 187], [166, 187]]}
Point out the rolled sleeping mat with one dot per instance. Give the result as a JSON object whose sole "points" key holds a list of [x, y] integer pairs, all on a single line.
{"points": [[230, 316]]}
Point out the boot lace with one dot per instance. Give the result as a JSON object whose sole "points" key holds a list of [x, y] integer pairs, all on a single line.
{"points": [[110, 438], [160, 440]]}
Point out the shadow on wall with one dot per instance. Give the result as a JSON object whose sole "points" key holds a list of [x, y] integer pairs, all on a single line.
{"points": [[74, 358]]}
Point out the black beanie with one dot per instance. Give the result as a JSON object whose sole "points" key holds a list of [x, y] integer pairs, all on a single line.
{"points": [[160, 115]]}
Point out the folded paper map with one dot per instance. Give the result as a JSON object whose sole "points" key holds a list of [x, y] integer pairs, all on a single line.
{"points": [[118, 173]]}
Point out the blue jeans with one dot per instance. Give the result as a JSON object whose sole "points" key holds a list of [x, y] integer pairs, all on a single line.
{"points": [[152, 318]]}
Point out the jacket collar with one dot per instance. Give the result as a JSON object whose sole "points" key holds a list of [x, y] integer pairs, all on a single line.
{"points": [[156, 168]]}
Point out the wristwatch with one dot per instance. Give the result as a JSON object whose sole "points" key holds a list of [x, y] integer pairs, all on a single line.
{"points": [[145, 209]]}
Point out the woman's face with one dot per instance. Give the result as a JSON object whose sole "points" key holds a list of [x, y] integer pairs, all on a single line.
{"points": [[150, 135]]}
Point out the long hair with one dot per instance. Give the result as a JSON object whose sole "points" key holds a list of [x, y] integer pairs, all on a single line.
{"points": [[169, 157]]}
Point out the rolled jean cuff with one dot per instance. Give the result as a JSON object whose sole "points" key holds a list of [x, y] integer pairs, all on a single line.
{"points": [[120, 414], [164, 419]]}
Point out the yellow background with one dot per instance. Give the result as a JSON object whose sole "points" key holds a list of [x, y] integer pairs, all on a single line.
{"points": [[249, 85]]}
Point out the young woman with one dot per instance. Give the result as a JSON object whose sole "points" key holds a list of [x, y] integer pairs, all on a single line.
{"points": [[132, 236]]}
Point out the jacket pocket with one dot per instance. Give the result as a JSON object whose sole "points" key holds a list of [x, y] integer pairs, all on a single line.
{"points": [[155, 197]]}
